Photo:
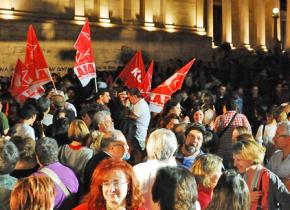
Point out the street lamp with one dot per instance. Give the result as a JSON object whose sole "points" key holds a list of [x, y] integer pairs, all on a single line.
{"points": [[276, 43]]}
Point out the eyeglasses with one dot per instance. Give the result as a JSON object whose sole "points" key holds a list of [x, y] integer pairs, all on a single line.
{"points": [[116, 184]]}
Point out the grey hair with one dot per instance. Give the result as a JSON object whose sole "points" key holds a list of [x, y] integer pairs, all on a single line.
{"points": [[99, 118], [286, 126], [161, 145], [46, 149], [9, 156], [113, 136]]}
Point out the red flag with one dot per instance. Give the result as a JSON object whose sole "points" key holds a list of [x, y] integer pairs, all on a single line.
{"points": [[37, 67], [134, 72], [84, 67], [20, 82], [161, 94], [146, 83]]}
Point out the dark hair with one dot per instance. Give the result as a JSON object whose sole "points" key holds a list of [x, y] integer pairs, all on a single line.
{"points": [[9, 156], [231, 192], [25, 146], [174, 188], [168, 106], [231, 103], [44, 104], [47, 150], [101, 92], [135, 92], [195, 126], [168, 118], [27, 111]]}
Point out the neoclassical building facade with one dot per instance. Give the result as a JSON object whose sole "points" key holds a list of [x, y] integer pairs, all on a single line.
{"points": [[163, 28]]}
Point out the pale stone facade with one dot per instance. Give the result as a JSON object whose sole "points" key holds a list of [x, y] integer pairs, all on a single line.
{"points": [[163, 28]]}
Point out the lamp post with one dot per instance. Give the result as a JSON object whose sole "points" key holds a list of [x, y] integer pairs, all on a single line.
{"points": [[276, 42]]}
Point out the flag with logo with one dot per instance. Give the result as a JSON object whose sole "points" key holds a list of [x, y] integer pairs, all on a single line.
{"points": [[38, 70], [84, 66], [146, 83], [21, 80], [134, 72], [161, 94]]}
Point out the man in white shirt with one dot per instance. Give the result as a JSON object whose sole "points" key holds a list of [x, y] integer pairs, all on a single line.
{"points": [[141, 114], [28, 117], [280, 161]]}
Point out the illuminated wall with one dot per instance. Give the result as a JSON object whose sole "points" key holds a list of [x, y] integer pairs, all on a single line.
{"points": [[183, 27]]}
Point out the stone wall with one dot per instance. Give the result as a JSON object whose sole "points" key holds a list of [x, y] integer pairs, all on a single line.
{"points": [[57, 37]]}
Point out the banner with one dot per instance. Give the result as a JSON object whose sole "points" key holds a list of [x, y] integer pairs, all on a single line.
{"points": [[147, 81], [84, 66], [134, 72], [37, 67], [19, 87], [161, 94]]}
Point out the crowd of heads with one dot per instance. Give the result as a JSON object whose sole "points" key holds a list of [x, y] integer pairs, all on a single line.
{"points": [[77, 129]]}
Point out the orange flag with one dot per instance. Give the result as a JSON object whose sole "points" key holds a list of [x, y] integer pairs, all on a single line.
{"points": [[161, 94], [84, 67], [134, 72]]}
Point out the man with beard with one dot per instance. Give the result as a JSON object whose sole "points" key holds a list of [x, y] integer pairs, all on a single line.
{"points": [[190, 149]]}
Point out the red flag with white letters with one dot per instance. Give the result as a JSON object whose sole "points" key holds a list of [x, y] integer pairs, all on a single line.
{"points": [[134, 72], [146, 83], [84, 67], [21, 80], [38, 70], [161, 94]]}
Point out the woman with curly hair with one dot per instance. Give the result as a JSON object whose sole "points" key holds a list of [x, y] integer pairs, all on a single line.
{"points": [[114, 187]]}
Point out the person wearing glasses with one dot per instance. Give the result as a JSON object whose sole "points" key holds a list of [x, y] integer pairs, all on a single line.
{"points": [[280, 161], [114, 187], [267, 191]]}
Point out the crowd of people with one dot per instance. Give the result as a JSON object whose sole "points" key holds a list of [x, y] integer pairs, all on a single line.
{"points": [[219, 143]]}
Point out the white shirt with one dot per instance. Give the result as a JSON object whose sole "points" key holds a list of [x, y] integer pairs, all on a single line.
{"points": [[279, 166], [141, 110], [24, 130], [146, 174], [269, 133]]}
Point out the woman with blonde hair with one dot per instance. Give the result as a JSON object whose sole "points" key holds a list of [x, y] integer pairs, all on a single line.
{"points": [[33, 193], [207, 170], [76, 154], [266, 189]]}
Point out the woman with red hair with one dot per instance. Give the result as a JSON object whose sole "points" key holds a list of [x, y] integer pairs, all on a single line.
{"points": [[114, 187]]}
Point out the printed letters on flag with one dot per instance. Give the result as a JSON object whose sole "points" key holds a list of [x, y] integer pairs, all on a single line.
{"points": [[161, 94], [133, 73], [20, 82], [37, 67], [84, 67], [146, 83]]}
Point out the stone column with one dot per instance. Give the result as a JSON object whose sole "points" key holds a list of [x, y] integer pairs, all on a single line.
{"points": [[227, 21], [147, 11], [244, 23], [79, 9], [260, 10], [127, 10], [287, 44], [104, 11], [200, 15], [210, 18]]}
